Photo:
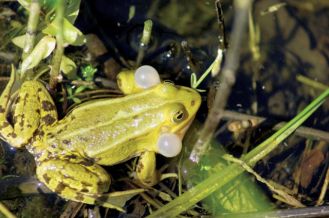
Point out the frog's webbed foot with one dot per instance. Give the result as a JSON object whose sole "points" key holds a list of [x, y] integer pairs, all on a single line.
{"points": [[75, 181]]}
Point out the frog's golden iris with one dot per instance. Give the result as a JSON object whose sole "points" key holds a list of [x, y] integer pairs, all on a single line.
{"points": [[69, 152]]}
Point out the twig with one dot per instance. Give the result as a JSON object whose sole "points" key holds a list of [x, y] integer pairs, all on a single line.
{"points": [[227, 79], [71, 210], [323, 189], [312, 83], [57, 58], [152, 201], [7, 57], [167, 190], [221, 26], [301, 131], [254, 40]]}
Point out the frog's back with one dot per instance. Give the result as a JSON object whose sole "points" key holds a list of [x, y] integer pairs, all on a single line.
{"points": [[102, 128]]}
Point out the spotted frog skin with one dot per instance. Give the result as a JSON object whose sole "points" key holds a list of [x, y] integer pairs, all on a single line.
{"points": [[69, 152]]}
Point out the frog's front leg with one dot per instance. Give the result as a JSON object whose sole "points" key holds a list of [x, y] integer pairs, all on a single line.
{"points": [[168, 145], [82, 181], [146, 169], [33, 108], [146, 172]]}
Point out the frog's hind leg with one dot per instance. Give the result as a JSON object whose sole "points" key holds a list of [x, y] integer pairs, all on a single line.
{"points": [[83, 182], [34, 110], [34, 107]]}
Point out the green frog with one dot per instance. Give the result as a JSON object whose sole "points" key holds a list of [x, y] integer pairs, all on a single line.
{"points": [[69, 152]]}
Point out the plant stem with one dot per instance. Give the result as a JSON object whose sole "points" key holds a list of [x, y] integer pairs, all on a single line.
{"points": [[57, 58], [30, 34], [32, 25], [227, 80], [312, 83], [145, 40], [221, 26]]}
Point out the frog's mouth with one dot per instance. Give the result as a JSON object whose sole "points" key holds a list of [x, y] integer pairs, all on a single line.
{"points": [[181, 132]]}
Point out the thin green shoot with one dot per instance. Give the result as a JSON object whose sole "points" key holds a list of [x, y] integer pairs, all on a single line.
{"points": [[214, 68]]}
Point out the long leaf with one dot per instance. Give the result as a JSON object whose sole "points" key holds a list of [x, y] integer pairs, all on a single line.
{"points": [[41, 51]]}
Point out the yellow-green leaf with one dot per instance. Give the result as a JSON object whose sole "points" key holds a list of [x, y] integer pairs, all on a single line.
{"points": [[164, 196], [72, 35], [19, 41], [42, 50], [72, 10], [69, 68]]}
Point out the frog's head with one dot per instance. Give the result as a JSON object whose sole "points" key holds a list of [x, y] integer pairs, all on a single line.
{"points": [[182, 104]]}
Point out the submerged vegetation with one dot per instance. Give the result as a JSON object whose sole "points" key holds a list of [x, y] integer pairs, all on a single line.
{"points": [[260, 66]]}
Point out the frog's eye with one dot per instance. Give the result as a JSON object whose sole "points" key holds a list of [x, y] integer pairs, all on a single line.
{"points": [[179, 115], [169, 144], [146, 76]]}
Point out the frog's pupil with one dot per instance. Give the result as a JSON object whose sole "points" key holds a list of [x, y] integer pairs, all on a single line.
{"points": [[179, 115]]}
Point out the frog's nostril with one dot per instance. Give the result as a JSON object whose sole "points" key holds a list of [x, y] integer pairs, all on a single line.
{"points": [[192, 103]]}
